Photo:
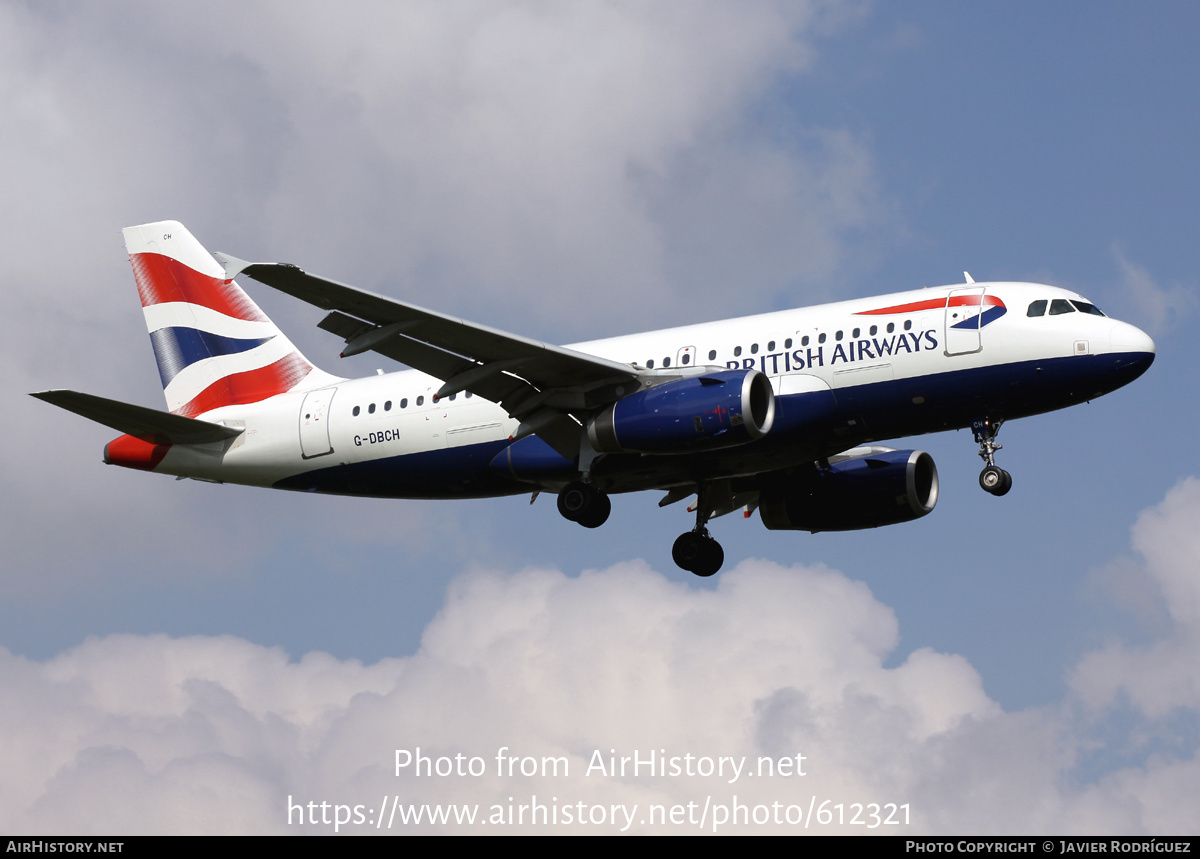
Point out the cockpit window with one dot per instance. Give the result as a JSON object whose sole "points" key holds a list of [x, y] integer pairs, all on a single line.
{"points": [[1084, 307], [1060, 305], [1037, 308]]}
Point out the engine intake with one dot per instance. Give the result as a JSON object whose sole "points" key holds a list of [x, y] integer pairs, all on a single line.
{"points": [[711, 411], [864, 492]]}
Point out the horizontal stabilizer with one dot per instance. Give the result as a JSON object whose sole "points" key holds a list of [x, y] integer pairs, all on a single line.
{"points": [[139, 421]]}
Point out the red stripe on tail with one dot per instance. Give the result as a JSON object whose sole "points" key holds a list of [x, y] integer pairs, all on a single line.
{"points": [[250, 386], [161, 279]]}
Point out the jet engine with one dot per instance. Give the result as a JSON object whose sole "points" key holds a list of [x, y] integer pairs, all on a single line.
{"points": [[880, 488], [702, 412]]}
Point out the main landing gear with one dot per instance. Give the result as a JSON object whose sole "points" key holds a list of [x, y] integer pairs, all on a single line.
{"points": [[992, 479], [696, 551], [583, 503]]}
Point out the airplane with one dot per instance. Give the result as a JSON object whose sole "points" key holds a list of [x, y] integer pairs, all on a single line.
{"points": [[778, 412]]}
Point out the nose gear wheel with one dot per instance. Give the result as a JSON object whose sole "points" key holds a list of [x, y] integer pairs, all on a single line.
{"points": [[992, 479], [995, 480]]}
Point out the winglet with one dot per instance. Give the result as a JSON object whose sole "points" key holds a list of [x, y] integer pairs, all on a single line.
{"points": [[233, 266]]}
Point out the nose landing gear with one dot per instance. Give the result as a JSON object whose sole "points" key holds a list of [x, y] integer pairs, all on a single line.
{"points": [[992, 479], [995, 480]]}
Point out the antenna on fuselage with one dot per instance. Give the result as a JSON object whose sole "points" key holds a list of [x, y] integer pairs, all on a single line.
{"points": [[967, 275]]}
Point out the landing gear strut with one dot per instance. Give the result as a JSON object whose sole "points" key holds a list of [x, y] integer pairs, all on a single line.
{"points": [[583, 503], [992, 479], [696, 551]]}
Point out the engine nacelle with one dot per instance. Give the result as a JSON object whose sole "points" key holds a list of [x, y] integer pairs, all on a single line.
{"points": [[703, 412], [864, 492]]}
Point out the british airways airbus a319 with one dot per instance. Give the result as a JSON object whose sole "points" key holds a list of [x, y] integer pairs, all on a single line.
{"points": [[775, 413]]}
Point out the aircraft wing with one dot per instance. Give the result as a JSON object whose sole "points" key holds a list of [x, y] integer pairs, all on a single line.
{"points": [[139, 421], [537, 383]]}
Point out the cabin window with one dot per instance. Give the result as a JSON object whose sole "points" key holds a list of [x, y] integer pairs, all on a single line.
{"points": [[908, 325], [371, 409], [787, 344], [452, 396], [821, 337], [356, 411], [1084, 307], [1060, 305], [1037, 308], [712, 355], [468, 396], [855, 333], [737, 350], [687, 359], [650, 364], [837, 336], [771, 346], [874, 330], [666, 362], [387, 407], [753, 348], [404, 403], [421, 400], [891, 327]]}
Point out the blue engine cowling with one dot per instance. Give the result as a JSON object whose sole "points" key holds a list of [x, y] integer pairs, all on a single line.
{"points": [[865, 492], [702, 412]]}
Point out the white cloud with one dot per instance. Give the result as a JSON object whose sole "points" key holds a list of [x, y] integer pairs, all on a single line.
{"points": [[1151, 304], [1162, 676], [152, 734]]}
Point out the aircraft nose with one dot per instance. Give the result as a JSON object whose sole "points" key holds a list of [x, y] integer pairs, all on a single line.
{"points": [[1132, 350], [1130, 338]]}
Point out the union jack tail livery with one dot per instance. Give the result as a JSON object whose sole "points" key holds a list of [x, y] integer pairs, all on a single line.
{"points": [[214, 347]]}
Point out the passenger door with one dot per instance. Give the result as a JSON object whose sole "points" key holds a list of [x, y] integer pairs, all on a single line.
{"points": [[314, 423]]}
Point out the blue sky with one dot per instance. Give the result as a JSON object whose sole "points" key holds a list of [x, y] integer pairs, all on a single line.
{"points": [[570, 172]]}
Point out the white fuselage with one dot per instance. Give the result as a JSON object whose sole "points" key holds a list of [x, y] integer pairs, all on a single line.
{"points": [[902, 347]]}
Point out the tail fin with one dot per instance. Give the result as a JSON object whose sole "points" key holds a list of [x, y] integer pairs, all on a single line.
{"points": [[213, 345]]}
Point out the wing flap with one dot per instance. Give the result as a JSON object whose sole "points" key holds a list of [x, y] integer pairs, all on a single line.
{"points": [[498, 388]]}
